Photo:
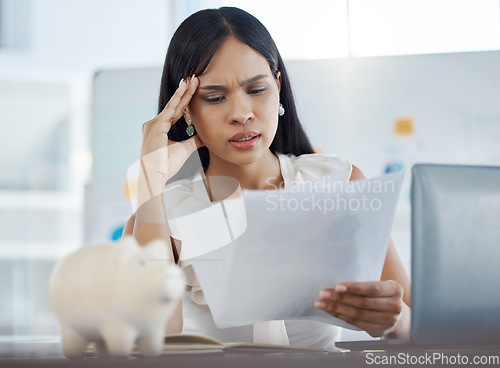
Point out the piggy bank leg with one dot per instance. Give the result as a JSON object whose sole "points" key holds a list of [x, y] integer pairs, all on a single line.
{"points": [[151, 345], [119, 338], [73, 344], [100, 349]]}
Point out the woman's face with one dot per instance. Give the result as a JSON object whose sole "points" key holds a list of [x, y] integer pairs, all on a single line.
{"points": [[235, 108]]}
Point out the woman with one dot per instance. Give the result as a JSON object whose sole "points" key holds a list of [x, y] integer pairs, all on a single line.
{"points": [[235, 105]]}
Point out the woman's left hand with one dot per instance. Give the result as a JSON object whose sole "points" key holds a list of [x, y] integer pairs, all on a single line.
{"points": [[376, 307]]}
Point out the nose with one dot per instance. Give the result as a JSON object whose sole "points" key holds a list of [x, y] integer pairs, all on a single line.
{"points": [[241, 110]]}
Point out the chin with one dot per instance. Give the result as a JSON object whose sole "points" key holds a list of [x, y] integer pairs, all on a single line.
{"points": [[244, 157]]}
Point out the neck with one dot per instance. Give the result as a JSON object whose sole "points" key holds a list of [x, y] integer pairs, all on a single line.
{"points": [[262, 174]]}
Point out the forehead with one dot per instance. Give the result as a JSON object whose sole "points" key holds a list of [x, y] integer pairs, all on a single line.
{"points": [[235, 58]]}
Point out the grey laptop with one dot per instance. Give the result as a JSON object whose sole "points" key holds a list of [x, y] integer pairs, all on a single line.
{"points": [[455, 258]]}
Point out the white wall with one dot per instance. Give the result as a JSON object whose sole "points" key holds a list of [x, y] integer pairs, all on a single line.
{"points": [[349, 106], [87, 34]]}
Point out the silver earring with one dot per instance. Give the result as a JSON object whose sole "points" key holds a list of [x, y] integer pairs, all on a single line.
{"points": [[189, 128], [281, 110]]}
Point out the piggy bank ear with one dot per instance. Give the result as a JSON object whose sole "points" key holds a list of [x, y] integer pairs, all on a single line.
{"points": [[155, 250], [128, 248], [175, 282], [128, 241]]}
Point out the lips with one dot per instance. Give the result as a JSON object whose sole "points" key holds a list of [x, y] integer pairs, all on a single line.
{"points": [[242, 136], [245, 140]]}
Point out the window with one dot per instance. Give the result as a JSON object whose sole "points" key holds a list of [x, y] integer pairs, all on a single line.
{"points": [[389, 27], [319, 29], [2, 24], [15, 24], [313, 30]]}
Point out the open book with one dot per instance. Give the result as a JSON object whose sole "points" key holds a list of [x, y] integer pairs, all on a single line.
{"points": [[201, 344], [193, 343]]}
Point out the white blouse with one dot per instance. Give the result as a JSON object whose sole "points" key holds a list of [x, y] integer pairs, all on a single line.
{"points": [[196, 315]]}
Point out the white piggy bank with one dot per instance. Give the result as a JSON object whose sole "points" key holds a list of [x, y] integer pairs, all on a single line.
{"points": [[115, 295]]}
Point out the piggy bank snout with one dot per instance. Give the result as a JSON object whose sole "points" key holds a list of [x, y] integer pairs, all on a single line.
{"points": [[174, 282]]}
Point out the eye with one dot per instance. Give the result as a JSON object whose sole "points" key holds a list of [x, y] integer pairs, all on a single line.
{"points": [[257, 91], [214, 100]]}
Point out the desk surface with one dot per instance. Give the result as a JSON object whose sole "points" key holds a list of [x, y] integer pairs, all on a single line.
{"points": [[39, 353]]}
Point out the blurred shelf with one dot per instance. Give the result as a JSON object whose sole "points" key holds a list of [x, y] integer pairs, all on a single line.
{"points": [[39, 200], [35, 251]]}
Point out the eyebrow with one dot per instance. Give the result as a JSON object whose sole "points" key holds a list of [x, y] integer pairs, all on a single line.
{"points": [[244, 83]]}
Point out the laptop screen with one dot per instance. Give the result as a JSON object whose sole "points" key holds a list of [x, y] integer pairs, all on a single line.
{"points": [[455, 254]]}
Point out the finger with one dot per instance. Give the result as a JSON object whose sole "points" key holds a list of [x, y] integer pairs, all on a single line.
{"points": [[359, 314], [373, 288], [171, 105], [388, 304], [177, 104], [372, 328], [188, 95], [375, 329]]}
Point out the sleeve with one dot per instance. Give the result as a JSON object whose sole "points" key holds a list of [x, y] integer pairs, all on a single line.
{"points": [[310, 167]]}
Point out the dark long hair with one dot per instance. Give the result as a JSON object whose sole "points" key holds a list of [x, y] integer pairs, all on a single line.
{"points": [[193, 46]]}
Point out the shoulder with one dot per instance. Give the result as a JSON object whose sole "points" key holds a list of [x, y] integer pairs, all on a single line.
{"points": [[356, 174], [315, 165]]}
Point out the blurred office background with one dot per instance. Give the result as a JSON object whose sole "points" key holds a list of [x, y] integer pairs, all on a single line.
{"points": [[383, 83]]}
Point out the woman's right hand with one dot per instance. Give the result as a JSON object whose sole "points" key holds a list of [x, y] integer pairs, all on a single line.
{"points": [[161, 158]]}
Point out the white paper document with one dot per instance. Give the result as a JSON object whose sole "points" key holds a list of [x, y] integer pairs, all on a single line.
{"points": [[296, 242]]}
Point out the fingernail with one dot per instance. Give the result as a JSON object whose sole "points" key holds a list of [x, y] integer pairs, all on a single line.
{"points": [[191, 79], [182, 80], [320, 304], [340, 288], [325, 294]]}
